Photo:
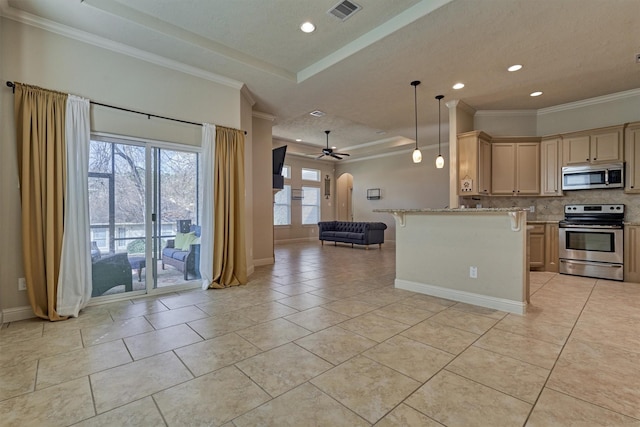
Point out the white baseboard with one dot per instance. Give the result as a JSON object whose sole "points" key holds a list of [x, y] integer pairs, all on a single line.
{"points": [[510, 306], [263, 261], [16, 313]]}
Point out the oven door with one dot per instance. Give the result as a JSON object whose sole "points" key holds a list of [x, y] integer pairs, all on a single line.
{"points": [[598, 243]]}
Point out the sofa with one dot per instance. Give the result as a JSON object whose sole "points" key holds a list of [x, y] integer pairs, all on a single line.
{"points": [[356, 233], [183, 252], [109, 271]]}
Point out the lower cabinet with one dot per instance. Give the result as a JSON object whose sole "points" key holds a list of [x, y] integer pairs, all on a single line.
{"points": [[536, 247], [632, 253], [551, 248], [543, 247]]}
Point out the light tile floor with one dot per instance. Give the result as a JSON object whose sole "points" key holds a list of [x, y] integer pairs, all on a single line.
{"points": [[323, 338]]}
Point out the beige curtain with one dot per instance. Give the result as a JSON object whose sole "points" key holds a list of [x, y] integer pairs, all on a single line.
{"points": [[229, 256], [40, 125]]}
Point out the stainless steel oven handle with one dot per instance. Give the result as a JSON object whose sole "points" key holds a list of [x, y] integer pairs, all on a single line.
{"points": [[591, 263], [590, 226]]}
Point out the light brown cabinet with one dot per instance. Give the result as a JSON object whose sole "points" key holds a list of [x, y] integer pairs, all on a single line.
{"points": [[474, 164], [516, 167], [551, 248], [632, 253], [551, 166], [632, 157], [603, 145], [543, 247], [536, 247]]}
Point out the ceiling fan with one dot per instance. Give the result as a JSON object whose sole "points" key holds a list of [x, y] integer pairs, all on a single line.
{"points": [[329, 151]]}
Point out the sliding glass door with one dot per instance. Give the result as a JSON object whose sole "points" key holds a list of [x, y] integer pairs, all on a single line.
{"points": [[176, 229], [144, 210]]}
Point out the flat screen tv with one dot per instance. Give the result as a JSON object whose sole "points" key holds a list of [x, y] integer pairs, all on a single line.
{"points": [[278, 162]]}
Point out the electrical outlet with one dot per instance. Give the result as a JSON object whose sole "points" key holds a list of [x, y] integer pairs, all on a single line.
{"points": [[22, 284], [532, 208], [473, 272]]}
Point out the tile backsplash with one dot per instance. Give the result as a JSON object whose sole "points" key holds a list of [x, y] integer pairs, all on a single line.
{"points": [[552, 208]]}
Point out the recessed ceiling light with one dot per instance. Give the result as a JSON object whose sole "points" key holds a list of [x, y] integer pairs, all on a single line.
{"points": [[317, 113], [307, 27], [298, 140], [515, 67], [458, 85], [538, 93]]}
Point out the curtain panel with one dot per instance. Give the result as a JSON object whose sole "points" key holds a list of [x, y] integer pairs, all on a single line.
{"points": [[208, 213], [40, 132], [229, 248], [75, 283]]}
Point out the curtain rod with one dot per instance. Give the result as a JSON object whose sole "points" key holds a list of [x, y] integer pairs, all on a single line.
{"points": [[149, 115]]}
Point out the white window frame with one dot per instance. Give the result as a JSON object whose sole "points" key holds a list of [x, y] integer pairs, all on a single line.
{"points": [[317, 172], [306, 190], [285, 190]]}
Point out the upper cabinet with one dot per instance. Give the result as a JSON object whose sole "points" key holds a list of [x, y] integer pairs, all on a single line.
{"points": [[516, 166], [550, 166], [592, 147], [632, 157], [474, 164]]}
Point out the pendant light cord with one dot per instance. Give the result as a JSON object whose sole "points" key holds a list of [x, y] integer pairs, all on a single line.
{"points": [[439, 124], [415, 84]]}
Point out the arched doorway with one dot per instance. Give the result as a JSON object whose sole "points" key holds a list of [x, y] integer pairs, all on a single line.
{"points": [[344, 197]]}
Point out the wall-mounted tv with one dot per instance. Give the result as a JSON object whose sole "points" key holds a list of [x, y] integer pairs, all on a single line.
{"points": [[278, 163]]}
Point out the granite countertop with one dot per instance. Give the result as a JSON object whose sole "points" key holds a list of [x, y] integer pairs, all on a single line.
{"points": [[543, 221], [633, 223], [450, 210]]}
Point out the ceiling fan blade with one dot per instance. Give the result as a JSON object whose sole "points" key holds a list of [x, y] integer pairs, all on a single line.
{"points": [[320, 156], [337, 157], [342, 154]]}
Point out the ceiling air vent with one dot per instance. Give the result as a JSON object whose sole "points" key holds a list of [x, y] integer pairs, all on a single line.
{"points": [[344, 10], [317, 113]]}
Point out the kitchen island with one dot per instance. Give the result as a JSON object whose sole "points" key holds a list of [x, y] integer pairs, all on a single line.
{"points": [[476, 256]]}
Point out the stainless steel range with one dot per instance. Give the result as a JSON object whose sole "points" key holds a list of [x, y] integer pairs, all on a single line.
{"points": [[591, 241]]}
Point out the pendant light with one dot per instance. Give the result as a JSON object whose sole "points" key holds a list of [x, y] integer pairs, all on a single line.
{"points": [[439, 159], [417, 155]]}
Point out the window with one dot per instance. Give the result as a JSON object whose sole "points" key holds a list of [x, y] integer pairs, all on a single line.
{"points": [[311, 175], [282, 206], [310, 205], [286, 172]]}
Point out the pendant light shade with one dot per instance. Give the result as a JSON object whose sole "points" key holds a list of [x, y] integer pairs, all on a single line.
{"points": [[417, 155], [439, 159]]}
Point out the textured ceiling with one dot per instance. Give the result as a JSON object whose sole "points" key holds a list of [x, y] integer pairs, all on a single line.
{"points": [[358, 71]]}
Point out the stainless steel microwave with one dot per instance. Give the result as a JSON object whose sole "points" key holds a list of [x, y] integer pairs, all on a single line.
{"points": [[593, 176]]}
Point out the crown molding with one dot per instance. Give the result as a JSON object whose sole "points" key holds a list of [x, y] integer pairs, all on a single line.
{"points": [[246, 93], [91, 39], [456, 103], [506, 113], [264, 116], [591, 101]]}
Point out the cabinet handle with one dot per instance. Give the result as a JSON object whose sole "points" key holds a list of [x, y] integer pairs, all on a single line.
{"points": [[595, 158], [587, 159]]}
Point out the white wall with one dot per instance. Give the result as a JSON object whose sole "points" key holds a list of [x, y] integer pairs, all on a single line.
{"points": [[262, 191], [403, 184], [296, 231], [506, 123], [34, 56], [609, 110]]}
